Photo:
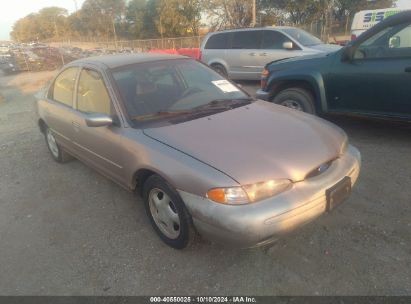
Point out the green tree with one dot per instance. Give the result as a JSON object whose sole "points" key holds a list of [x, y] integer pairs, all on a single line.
{"points": [[135, 12], [177, 18], [52, 23], [228, 13], [98, 16], [48, 23]]}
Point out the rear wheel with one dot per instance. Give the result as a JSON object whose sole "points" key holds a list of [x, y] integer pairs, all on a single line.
{"points": [[220, 69], [167, 213], [296, 98]]}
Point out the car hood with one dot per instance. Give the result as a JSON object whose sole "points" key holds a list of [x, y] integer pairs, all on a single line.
{"points": [[258, 142], [326, 47], [314, 61]]}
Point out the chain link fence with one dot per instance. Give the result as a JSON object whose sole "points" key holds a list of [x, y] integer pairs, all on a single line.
{"points": [[140, 45]]}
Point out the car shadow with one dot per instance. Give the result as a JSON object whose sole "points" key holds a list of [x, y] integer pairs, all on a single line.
{"points": [[371, 129]]}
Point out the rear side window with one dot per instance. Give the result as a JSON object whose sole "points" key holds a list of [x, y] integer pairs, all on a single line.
{"points": [[273, 40], [247, 40], [63, 87], [217, 41]]}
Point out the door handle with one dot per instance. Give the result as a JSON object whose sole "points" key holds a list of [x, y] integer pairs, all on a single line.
{"points": [[76, 126], [408, 70], [263, 54], [252, 54]]}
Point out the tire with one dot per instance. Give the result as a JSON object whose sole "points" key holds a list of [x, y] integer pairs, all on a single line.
{"points": [[220, 69], [58, 154], [169, 216], [297, 99]]}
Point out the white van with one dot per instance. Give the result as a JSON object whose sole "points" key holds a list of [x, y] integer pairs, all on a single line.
{"points": [[363, 20]]}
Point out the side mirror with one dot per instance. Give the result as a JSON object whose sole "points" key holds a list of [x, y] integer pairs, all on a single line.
{"points": [[98, 120], [288, 45], [347, 54], [395, 42]]}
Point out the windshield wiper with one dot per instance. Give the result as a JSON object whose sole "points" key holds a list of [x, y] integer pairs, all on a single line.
{"points": [[217, 104], [214, 105], [159, 114]]}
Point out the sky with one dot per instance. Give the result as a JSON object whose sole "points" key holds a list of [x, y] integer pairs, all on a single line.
{"points": [[16, 9]]}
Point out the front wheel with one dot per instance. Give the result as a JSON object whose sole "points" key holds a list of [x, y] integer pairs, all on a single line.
{"points": [[57, 153], [296, 98], [167, 213]]}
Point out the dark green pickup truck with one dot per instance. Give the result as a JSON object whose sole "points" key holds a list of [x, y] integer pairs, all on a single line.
{"points": [[371, 76]]}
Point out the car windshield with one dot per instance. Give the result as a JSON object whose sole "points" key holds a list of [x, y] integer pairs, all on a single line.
{"points": [[302, 37], [165, 89]]}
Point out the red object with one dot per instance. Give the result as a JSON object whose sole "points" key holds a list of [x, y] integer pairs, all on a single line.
{"points": [[189, 52], [353, 37], [264, 77]]}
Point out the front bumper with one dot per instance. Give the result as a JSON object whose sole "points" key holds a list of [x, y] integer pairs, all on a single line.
{"points": [[263, 95], [262, 222]]}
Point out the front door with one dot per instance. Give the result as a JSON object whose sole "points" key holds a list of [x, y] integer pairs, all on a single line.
{"points": [[272, 47], [100, 146], [378, 79]]}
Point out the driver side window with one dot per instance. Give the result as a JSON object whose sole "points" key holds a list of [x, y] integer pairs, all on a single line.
{"points": [[392, 42], [92, 95]]}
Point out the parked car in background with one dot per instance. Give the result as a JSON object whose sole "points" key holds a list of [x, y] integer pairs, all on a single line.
{"points": [[200, 151], [364, 20], [243, 53], [371, 76]]}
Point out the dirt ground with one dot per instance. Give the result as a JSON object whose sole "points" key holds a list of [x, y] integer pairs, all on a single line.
{"points": [[66, 230]]}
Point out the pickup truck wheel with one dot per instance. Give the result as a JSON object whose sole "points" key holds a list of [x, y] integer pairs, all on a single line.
{"points": [[167, 213], [219, 69], [297, 99], [58, 154]]}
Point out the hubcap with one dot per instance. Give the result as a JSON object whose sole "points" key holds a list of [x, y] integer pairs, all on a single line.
{"points": [[51, 141], [164, 213], [292, 104]]}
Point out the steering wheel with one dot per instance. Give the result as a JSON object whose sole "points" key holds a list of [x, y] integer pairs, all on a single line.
{"points": [[190, 91], [380, 52]]}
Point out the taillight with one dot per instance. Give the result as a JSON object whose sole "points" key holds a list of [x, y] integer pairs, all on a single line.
{"points": [[353, 37], [264, 77]]}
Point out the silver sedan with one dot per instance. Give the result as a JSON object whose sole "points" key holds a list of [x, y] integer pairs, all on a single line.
{"points": [[205, 156]]}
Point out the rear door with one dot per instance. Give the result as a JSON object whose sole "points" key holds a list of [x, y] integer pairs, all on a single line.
{"points": [[99, 146], [244, 56], [58, 110]]}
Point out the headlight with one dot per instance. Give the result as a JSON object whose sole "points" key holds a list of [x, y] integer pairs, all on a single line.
{"points": [[344, 146], [248, 193]]}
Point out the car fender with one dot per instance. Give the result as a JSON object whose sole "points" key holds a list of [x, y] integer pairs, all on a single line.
{"points": [[313, 78], [219, 61], [180, 170]]}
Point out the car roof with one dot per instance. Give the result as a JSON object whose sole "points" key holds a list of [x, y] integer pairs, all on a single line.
{"points": [[254, 29], [118, 60]]}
